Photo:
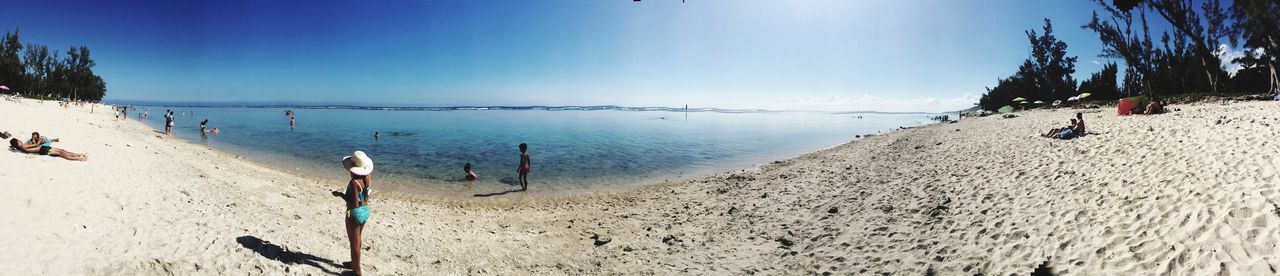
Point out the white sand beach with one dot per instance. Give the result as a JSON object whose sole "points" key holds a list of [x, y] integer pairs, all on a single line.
{"points": [[1192, 192]]}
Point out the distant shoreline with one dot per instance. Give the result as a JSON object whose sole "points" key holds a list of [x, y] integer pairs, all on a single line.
{"points": [[501, 107]]}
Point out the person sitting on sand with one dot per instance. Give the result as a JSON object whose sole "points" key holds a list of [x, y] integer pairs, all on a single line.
{"points": [[1079, 129], [359, 166], [471, 175], [36, 139], [1064, 133], [15, 144], [1053, 132], [523, 170]]}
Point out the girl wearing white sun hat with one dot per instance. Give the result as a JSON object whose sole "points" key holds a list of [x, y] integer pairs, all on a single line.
{"points": [[357, 197]]}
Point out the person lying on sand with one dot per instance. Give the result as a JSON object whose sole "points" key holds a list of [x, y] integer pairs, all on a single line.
{"points": [[1154, 108], [46, 150]]}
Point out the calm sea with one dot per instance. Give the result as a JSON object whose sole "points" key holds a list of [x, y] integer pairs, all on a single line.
{"points": [[424, 151]]}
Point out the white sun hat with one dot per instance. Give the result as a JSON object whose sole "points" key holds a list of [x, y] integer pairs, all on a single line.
{"points": [[358, 163]]}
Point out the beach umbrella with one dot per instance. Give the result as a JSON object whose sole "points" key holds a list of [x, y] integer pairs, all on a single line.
{"points": [[1024, 102], [1019, 99], [1039, 102], [1083, 95], [5, 88], [1073, 98], [1005, 109]]}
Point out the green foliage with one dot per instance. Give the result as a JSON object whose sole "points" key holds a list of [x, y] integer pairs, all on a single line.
{"points": [[39, 71], [1044, 76], [1197, 36], [1103, 84], [1120, 40], [1187, 59], [1051, 67], [1258, 23], [11, 70]]}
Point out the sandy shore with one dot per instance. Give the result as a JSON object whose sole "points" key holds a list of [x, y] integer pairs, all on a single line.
{"points": [[1191, 192]]}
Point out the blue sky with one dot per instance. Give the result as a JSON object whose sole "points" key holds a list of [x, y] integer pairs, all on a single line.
{"points": [[817, 55]]}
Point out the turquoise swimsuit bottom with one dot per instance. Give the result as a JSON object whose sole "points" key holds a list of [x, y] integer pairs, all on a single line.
{"points": [[360, 213]]}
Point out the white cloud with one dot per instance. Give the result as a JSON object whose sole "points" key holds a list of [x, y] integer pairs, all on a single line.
{"points": [[874, 103], [1226, 55]]}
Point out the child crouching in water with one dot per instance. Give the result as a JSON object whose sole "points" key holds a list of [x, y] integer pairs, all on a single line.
{"points": [[471, 175]]}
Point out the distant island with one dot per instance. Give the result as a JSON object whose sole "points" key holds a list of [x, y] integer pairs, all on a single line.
{"points": [[496, 107]]}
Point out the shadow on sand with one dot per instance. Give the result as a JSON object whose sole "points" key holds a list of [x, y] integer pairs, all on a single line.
{"points": [[498, 193], [275, 252]]}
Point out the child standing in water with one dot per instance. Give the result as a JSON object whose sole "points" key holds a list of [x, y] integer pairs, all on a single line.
{"points": [[523, 170]]}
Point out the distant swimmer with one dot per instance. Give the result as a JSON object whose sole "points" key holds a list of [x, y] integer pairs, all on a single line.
{"points": [[292, 122], [377, 136]]}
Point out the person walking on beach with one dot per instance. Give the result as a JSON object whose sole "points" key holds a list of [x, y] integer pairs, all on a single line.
{"points": [[523, 170], [360, 167]]}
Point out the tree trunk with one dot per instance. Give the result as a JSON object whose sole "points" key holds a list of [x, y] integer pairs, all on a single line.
{"points": [[1208, 74], [1271, 64], [1275, 82]]}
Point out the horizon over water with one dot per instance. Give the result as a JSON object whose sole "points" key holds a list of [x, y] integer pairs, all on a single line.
{"points": [[422, 150]]}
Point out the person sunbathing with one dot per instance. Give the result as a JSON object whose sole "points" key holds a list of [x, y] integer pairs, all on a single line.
{"points": [[18, 145], [1154, 108]]}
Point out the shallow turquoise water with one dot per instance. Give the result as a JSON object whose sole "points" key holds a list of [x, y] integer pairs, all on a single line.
{"points": [[569, 149]]}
